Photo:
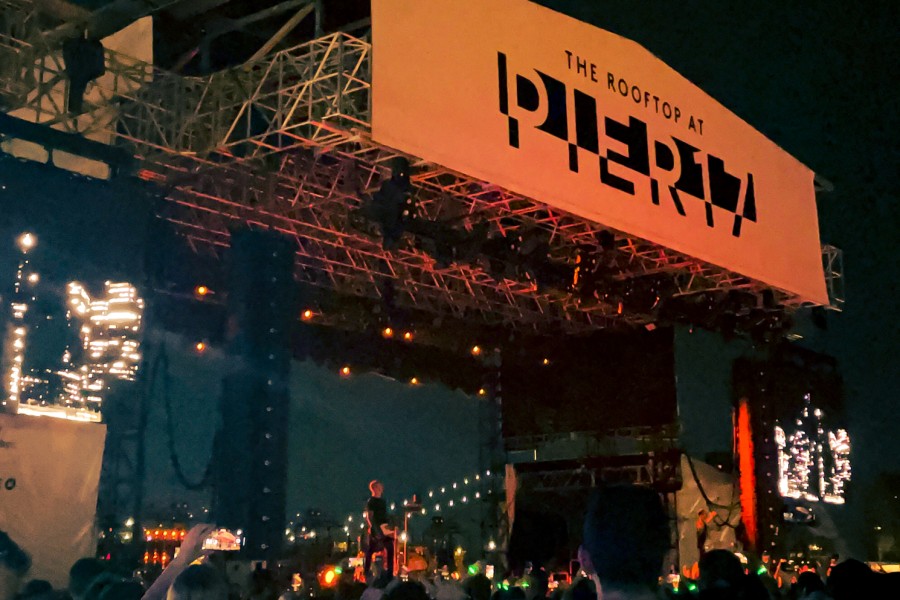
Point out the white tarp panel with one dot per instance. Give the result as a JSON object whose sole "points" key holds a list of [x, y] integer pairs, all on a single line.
{"points": [[49, 476]]}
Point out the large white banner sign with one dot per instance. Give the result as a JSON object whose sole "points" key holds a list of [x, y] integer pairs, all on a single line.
{"points": [[594, 124], [49, 473]]}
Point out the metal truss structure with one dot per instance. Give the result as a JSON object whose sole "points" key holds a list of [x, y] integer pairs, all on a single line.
{"points": [[284, 142], [661, 471]]}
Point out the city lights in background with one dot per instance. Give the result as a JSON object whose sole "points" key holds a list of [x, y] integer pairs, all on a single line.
{"points": [[813, 464], [102, 347], [16, 340]]}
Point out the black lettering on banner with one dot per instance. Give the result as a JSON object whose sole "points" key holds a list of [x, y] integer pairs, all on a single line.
{"points": [[688, 172], [691, 179], [634, 136]]}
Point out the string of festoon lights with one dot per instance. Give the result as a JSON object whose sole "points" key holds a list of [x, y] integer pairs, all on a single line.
{"points": [[437, 500]]}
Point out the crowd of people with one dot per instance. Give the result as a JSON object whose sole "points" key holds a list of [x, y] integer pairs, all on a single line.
{"points": [[626, 538]]}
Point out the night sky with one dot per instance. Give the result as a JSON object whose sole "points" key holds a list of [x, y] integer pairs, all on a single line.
{"points": [[819, 79]]}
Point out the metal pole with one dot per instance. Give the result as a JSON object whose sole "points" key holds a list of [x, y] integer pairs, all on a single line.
{"points": [[320, 15]]}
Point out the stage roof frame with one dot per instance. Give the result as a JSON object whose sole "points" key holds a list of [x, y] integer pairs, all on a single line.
{"points": [[284, 142]]}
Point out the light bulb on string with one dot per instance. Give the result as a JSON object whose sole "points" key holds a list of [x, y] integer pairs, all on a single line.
{"points": [[407, 336], [476, 350], [345, 371], [387, 332], [307, 314]]}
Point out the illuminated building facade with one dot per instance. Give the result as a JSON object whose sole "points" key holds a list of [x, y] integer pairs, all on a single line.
{"points": [[102, 348], [813, 464], [17, 330], [107, 346]]}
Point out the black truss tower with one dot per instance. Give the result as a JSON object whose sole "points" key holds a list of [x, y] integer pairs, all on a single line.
{"points": [[251, 450]]}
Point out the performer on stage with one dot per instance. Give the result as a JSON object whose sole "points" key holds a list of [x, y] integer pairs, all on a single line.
{"points": [[381, 536]]}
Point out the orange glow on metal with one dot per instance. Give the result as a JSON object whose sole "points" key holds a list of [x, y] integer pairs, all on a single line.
{"points": [[747, 467]]}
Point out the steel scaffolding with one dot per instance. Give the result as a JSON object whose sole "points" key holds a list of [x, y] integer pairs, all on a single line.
{"points": [[285, 142]]}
